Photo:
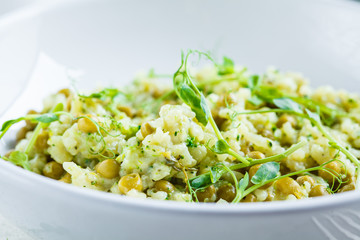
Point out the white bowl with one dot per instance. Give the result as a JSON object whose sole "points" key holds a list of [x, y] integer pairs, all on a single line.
{"points": [[110, 41]]}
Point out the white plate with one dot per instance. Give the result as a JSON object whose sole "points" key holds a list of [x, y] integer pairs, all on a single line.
{"points": [[111, 41]]}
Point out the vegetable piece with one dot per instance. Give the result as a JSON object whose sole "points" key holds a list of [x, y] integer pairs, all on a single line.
{"points": [[250, 198], [256, 155], [164, 186], [129, 182], [41, 140], [66, 178], [53, 170], [284, 119], [302, 179], [226, 192], [206, 195], [288, 186], [288, 104], [65, 91], [86, 125], [332, 170], [317, 191], [21, 134], [108, 168], [146, 129]]}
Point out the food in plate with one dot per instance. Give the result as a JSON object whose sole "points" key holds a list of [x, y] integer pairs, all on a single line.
{"points": [[218, 134]]}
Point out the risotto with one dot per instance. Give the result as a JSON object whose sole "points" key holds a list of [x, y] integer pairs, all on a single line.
{"points": [[216, 134]]}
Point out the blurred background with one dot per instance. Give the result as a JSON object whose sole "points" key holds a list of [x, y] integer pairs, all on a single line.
{"points": [[7, 6], [7, 230]]}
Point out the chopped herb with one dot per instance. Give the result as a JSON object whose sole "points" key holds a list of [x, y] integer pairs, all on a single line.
{"points": [[191, 142]]}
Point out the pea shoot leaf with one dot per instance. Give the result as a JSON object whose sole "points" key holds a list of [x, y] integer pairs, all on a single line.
{"points": [[6, 125], [190, 94], [200, 181], [216, 172], [287, 104], [128, 131], [328, 120], [220, 147], [20, 159], [267, 93], [326, 113], [266, 172], [244, 182], [254, 81], [59, 107], [46, 118], [151, 73], [255, 100], [196, 102], [104, 94], [313, 116], [227, 67]]}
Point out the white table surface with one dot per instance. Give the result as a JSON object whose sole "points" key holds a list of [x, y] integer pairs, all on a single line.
{"points": [[10, 232]]}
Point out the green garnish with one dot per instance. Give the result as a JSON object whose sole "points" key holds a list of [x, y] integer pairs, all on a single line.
{"points": [[266, 172], [191, 142], [22, 158], [106, 93], [204, 180], [188, 92], [262, 93], [18, 158], [227, 67], [262, 183], [286, 105], [270, 169], [240, 190]]}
